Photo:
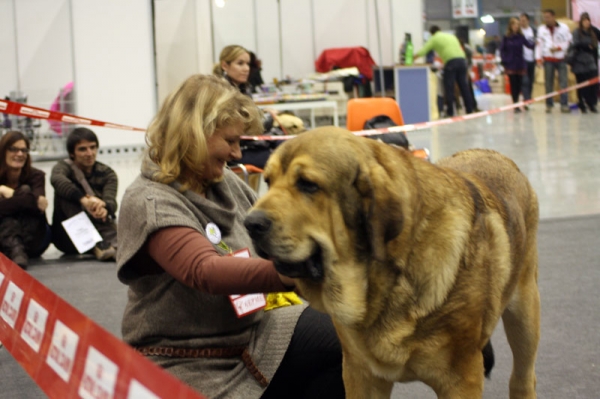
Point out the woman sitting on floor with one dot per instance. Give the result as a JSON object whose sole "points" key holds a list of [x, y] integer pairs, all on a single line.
{"points": [[24, 230]]}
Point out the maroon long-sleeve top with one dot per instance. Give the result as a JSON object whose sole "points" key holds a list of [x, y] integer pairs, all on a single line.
{"points": [[192, 260]]}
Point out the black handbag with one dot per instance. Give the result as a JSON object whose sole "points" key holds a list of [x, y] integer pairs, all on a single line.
{"points": [[383, 121]]}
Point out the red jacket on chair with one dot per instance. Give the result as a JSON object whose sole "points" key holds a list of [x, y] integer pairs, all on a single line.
{"points": [[346, 57]]}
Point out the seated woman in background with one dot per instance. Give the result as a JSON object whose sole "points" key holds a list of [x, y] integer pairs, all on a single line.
{"points": [[234, 65], [24, 230], [180, 222]]}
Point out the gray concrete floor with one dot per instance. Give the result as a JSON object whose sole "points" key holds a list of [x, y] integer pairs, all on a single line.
{"points": [[558, 152]]}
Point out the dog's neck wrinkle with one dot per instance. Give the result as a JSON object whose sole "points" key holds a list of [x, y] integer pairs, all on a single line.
{"points": [[379, 291]]}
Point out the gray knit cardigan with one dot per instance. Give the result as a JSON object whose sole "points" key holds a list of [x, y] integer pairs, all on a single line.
{"points": [[163, 312]]}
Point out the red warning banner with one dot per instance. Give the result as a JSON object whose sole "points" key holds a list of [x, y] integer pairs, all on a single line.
{"points": [[66, 353]]}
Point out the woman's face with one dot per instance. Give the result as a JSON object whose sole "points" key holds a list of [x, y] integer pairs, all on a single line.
{"points": [[17, 154], [514, 26], [223, 146], [586, 24], [239, 69]]}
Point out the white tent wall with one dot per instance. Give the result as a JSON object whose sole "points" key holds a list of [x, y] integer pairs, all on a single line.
{"points": [[267, 36], [205, 48], [177, 43], [309, 26], [299, 51], [183, 39], [8, 66], [408, 16], [44, 62], [106, 47], [114, 65], [341, 23]]}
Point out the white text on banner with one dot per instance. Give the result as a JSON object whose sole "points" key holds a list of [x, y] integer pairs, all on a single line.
{"points": [[99, 376], [11, 304], [63, 347], [35, 325]]}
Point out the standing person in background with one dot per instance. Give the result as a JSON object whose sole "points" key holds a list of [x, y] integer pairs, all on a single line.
{"points": [[450, 51], [530, 34], [24, 230], [83, 184], [469, 57], [584, 64], [511, 54], [553, 41]]}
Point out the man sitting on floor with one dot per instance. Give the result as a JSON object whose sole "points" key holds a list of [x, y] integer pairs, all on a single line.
{"points": [[83, 184]]}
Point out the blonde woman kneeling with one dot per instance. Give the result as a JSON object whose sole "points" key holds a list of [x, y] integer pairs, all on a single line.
{"points": [[179, 222]]}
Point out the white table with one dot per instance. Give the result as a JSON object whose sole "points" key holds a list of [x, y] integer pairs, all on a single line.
{"points": [[311, 105]]}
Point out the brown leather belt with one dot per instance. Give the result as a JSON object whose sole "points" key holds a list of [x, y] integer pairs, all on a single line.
{"points": [[235, 351]]}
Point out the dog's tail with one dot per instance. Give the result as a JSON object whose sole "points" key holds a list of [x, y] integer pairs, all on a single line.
{"points": [[488, 359]]}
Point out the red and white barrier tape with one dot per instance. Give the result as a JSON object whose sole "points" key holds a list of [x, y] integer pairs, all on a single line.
{"points": [[13, 108], [66, 353], [446, 121]]}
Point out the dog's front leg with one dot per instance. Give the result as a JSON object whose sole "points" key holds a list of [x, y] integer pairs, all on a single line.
{"points": [[463, 380], [360, 383]]}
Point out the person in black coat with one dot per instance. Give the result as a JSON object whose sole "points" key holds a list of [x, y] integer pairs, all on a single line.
{"points": [[24, 230], [513, 61], [584, 62]]}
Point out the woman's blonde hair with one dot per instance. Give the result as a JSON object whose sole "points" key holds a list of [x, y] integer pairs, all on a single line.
{"points": [[228, 55], [509, 31], [177, 136]]}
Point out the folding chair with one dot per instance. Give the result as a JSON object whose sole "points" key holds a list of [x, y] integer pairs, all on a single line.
{"points": [[248, 173], [360, 110]]}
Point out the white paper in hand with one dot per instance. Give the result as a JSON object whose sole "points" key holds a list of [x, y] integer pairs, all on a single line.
{"points": [[82, 232]]}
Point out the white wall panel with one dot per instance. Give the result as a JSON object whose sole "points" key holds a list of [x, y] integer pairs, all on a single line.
{"points": [[234, 24], [44, 48], [298, 58], [381, 22], [8, 64], [204, 37], [268, 38], [176, 43], [340, 23], [407, 17], [115, 77]]}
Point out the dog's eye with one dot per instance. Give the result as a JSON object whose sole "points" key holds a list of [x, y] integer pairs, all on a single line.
{"points": [[307, 186], [268, 181]]}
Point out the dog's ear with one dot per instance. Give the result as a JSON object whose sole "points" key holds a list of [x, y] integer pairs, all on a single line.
{"points": [[382, 217]]}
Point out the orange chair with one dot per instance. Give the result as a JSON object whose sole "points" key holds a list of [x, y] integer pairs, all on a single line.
{"points": [[360, 110]]}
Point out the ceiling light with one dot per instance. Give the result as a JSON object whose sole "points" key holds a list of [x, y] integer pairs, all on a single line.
{"points": [[220, 3], [487, 19]]}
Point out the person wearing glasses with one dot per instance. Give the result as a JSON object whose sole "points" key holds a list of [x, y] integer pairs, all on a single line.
{"points": [[83, 184], [24, 230]]}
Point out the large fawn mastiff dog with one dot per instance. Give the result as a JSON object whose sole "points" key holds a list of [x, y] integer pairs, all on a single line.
{"points": [[415, 262]]}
